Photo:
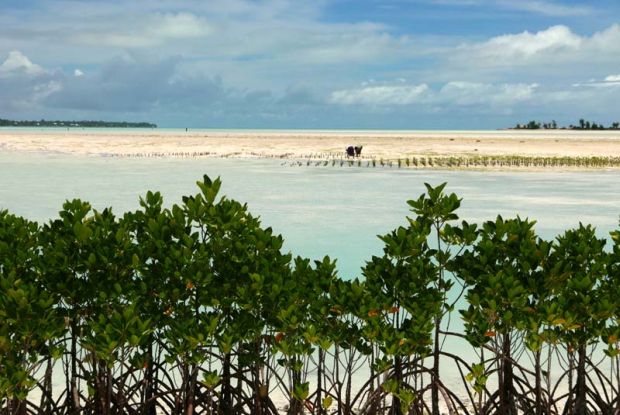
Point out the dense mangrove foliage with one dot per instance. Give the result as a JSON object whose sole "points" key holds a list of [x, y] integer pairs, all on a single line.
{"points": [[197, 309]]}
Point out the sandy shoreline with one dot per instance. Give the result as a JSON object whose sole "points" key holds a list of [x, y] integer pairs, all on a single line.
{"points": [[325, 144]]}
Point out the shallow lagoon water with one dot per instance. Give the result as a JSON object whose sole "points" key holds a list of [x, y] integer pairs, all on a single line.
{"points": [[335, 211]]}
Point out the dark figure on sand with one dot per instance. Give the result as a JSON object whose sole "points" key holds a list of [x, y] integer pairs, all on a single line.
{"points": [[354, 151]]}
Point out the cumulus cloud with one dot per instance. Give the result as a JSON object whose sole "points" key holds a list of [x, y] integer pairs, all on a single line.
{"points": [[123, 84], [612, 78], [523, 47], [18, 64], [460, 104], [25, 85], [556, 54]]}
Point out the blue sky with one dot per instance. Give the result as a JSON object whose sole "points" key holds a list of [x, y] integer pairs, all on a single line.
{"points": [[396, 64]]}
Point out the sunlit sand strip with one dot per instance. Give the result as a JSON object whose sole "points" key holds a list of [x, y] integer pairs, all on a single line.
{"points": [[387, 145]]}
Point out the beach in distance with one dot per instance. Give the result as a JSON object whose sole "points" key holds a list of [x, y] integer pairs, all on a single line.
{"points": [[294, 144]]}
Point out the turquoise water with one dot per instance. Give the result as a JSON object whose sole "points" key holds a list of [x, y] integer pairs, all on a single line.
{"points": [[336, 211]]}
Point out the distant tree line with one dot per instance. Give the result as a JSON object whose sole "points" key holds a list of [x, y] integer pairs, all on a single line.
{"points": [[89, 124], [583, 125]]}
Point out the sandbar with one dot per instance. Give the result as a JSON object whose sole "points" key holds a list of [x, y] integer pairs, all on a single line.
{"points": [[300, 144]]}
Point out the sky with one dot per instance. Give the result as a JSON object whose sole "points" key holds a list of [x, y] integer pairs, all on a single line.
{"points": [[320, 64]]}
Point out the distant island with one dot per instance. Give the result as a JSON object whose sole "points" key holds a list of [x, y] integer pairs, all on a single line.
{"points": [[582, 125], [76, 124]]}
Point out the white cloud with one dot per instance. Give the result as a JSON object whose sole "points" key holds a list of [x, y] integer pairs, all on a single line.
{"points": [[182, 26], [78, 73], [456, 93], [17, 63], [132, 87], [150, 30], [24, 85], [492, 104], [471, 93], [610, 81], [606, 41], [507, 49], [381, 95], [556, 54], [252, 41]]}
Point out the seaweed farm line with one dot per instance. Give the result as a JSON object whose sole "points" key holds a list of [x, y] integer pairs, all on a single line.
{"points": [[424, 161], [476, 162]]}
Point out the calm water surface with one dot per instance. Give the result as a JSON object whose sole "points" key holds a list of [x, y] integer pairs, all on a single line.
{"points": [[336, 211]]}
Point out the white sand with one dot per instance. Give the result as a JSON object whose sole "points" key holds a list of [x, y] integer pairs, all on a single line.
{"points": [[302, 144]]}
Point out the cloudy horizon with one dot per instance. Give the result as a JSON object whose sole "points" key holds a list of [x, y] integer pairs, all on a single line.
{"points": [[397, 64]]}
